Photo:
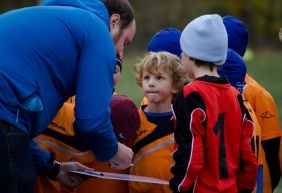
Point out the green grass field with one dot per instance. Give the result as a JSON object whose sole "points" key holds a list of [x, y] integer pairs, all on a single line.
{"points": [[265, 68]]}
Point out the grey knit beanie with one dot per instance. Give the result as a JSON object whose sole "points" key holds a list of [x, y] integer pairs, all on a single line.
{"points": [[205, 38]]}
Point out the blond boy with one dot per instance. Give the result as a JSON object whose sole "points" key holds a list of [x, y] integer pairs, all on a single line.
{"points": [[160, 76]]}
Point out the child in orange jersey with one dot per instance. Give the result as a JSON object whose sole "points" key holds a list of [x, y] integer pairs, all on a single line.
{"points": [[64, 141], [263, 105], [235, 70], [159, 75], [213, 130], [125, 120]]}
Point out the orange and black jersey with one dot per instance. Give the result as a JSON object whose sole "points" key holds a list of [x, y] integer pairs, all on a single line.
{"points": [[152, 148], [213, 131]]}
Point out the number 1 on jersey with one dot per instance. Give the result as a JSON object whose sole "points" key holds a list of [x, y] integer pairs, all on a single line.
{"points": [[219, 129]]}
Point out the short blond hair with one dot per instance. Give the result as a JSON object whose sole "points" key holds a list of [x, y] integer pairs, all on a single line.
{"points": [[152, 62]]}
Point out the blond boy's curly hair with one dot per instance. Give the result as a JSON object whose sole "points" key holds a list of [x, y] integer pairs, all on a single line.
{"points": [[153, 62]]}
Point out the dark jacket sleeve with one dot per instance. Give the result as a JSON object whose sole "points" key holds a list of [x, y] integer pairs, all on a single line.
{"points": [[42, 160]]}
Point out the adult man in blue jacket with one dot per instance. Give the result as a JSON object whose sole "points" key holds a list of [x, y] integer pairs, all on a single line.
{"points": [[49, 53]]}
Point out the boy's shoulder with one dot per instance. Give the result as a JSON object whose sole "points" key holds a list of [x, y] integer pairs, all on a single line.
{"points": [[207, 84], [197, 84], [255, 89]]}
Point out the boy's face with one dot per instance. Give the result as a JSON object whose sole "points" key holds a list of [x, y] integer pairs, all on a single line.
{"points": [[116, 75], [188, 65], [158, 87]]}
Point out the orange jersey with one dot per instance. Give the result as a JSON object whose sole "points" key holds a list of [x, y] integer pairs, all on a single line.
{"points": [[152, 159], [144, 101], [266, 113], [66, 149], [264, 108], [62, 125], [104, 185]]}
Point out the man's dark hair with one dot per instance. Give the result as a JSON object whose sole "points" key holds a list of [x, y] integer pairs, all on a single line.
{"points": [[123, 8]]}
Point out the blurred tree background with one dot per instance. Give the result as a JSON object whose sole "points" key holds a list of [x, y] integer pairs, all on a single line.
{"points": [[263, 17]]}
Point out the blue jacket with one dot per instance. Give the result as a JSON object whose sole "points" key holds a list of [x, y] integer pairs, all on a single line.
{"points": [[49, 53]]}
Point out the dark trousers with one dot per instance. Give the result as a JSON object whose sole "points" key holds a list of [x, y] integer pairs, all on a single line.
{"points": [[17, 172]]}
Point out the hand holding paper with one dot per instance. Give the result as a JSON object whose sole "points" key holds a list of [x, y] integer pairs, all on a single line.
{"points": [[68, 179], [123, 158]]}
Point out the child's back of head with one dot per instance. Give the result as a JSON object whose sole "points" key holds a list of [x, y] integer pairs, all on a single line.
{"points": [[125, 118], [234, 69], [237, 34], [205, 39]]}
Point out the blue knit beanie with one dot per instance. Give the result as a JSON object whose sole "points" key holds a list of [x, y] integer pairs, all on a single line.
{"points": [[234, 69], [205, 38], [166, 40], [237, 34]]}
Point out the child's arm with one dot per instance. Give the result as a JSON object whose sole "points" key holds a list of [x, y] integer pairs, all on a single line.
{"points": [[246, 177], [189, 134]]}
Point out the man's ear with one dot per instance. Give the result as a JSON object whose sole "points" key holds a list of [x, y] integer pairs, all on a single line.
{"points": [[175, 90], [114, 21]]}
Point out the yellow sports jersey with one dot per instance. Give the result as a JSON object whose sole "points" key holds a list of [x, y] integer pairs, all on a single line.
{"points": [[65, 150], [152, 159], [267, 117]]}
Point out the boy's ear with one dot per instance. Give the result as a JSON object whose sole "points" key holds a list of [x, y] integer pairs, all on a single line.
{"points": [[114, 21]]}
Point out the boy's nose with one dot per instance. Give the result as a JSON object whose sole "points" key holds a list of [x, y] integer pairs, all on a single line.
{"points": [[151, 83]]}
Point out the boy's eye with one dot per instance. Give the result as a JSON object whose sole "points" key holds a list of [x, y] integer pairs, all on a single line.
{"points": [[146, 77], [160, 78]]}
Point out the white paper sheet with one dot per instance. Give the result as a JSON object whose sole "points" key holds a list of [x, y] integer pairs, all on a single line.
{"points": [[127, 177]]}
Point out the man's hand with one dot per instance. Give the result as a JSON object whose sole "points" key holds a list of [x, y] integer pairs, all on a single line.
{"points": [[123, 158], [68, 179]]}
